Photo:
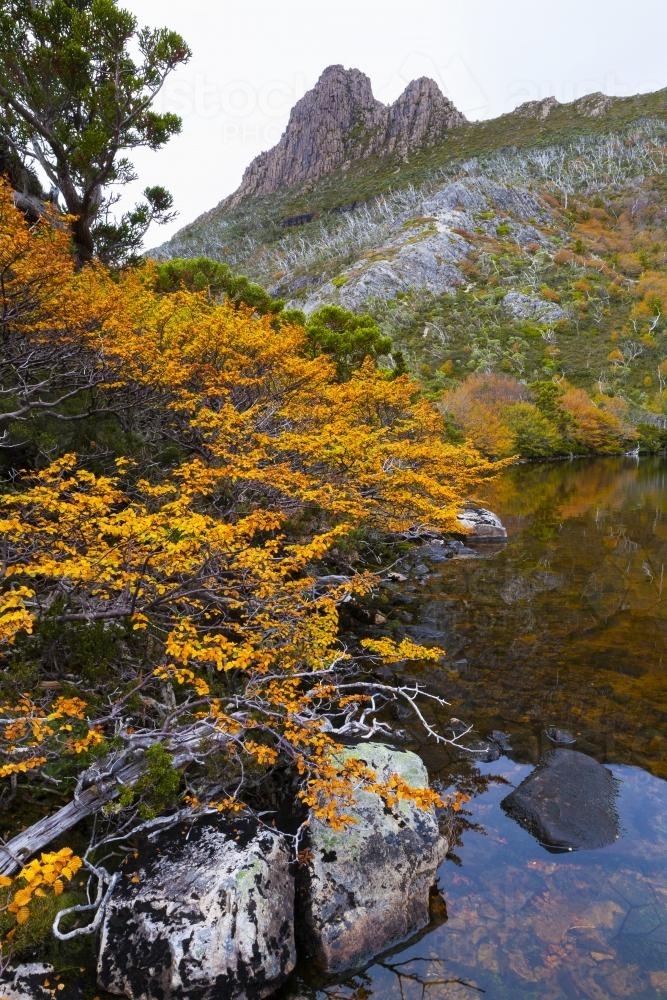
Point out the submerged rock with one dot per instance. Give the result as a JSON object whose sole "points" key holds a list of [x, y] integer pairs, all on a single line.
{"points": [[562, 737], [527, 587], [367, 886], [482, 750], [567, 803], [208, 913], [502, 740]]}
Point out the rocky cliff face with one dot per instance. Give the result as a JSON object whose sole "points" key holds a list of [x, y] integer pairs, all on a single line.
{"points": [[338, 121]]}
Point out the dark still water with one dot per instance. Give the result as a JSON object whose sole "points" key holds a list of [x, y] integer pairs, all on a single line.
{"points": [[564, 626]]}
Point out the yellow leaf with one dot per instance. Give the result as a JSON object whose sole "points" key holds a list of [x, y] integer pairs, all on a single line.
{"points": [[22, 898]]}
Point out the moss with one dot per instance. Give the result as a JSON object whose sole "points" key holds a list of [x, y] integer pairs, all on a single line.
{"points": [[35, 933], [157, 789]]}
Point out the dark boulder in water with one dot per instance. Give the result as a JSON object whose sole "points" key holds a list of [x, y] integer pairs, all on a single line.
{"points": [[568, 802]]}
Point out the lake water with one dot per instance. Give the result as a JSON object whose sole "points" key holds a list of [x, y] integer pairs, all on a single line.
{"points": [[565, 625]]}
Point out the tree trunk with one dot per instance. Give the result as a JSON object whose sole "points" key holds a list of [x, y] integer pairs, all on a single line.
{"points": [[106, 779], [84, 247]]}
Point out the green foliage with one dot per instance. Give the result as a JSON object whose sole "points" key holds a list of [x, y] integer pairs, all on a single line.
{"points": [[120, 242], [535, 436], [156, 791], [349, 339], [201, 274], [21, 177], [35, 933], [651, 438], [90, 647], [74, 97]]}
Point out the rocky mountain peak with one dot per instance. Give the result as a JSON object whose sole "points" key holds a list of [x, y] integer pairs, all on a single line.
{"points": [[591, 105], [340, 121], [537, 109], [420, 116]]}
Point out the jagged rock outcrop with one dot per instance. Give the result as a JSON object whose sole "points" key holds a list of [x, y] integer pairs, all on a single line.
{"points": [[591, 105], [537, 109], [427, 245], [339, 121], [523, 305], [367, 886], [420, 117]]}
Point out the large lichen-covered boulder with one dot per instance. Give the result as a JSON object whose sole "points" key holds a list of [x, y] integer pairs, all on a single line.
{"points": [[206, 913], [367, 886], [568, 802]]}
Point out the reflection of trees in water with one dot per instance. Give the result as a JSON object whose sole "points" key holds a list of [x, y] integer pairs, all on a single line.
{"points": [[412, 979], [567, 624], [563, 490], [631, 577]]}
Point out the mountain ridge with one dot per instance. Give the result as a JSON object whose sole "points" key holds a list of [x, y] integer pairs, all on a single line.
{"points": [[338, 121], [241, 220]]}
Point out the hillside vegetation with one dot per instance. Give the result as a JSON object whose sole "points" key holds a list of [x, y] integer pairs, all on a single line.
{"points": [[532, 247], [236, 234]]}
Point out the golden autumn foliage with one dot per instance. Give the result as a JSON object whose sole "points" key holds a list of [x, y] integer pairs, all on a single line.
{"points": [[42, 877], [502, 416], [178, 592]]}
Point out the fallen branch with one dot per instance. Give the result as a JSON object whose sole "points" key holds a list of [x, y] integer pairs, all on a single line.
{"points": [[103, 782]]}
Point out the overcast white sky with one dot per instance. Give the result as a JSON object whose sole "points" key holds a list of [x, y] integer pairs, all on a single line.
{"points": [[253, 59]]}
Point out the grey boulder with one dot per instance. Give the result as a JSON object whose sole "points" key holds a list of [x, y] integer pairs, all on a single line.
{"points": [[35, 981], [367, 885], [482, 525], [206, 913]]}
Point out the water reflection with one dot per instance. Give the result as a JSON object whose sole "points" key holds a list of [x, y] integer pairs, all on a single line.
{"points": [[527, 924], [565, 627]]}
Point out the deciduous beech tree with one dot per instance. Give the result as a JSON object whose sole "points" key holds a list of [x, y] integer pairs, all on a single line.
{"points": [[169, 618], [501, 416], [77, 85]]}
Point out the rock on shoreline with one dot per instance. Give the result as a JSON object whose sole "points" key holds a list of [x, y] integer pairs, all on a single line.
{"points": [[208, 911], [367, 886]]}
